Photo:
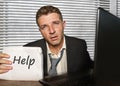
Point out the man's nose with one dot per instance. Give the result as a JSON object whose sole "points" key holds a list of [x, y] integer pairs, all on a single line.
{"points": [[51, 29]]}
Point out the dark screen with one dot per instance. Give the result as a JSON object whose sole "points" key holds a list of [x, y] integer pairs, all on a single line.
{"points": [[107, 46]]}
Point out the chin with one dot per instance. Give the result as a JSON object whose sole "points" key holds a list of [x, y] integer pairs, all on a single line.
{"points": [[55, 43]]}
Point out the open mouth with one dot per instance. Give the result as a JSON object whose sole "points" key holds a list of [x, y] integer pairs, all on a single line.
{"points": [[54, 38]]}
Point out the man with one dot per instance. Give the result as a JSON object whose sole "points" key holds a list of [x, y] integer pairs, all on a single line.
{"points": [[72, 52]]}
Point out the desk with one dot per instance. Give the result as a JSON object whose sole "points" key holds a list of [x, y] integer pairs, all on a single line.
{"points": [[65, 80], [19, 83], [62, 80]]}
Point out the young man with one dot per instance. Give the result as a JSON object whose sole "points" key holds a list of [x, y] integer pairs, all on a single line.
{"points": [[71, 52]]}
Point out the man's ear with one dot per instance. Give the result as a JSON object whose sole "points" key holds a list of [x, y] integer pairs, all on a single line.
{"points": [[64, 24]]}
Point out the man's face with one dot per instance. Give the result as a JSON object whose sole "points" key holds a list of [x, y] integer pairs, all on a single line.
{"points": [[52, 28]]}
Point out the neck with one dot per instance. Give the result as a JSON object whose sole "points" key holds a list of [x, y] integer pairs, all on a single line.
{"points": [[56, 48]]}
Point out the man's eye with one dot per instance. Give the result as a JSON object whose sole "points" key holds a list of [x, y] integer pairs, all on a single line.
{"points": [[56, 22], [43, 27]]}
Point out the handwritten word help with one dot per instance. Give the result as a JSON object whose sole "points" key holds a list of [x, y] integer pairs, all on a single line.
{"points": [[24, 61]]}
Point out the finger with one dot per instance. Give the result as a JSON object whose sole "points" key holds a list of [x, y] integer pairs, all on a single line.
{"points": [[3, 71], [4, 67], [4, 61], [4, 55]]}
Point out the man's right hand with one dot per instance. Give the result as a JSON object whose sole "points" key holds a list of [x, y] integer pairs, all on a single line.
{"points": [[4, 63]]}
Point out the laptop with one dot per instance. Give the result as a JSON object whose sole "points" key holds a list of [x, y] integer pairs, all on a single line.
{"points": [[107, 47]]}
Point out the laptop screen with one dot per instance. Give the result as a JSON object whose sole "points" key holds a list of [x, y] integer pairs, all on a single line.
{"points": [[107, 46]]}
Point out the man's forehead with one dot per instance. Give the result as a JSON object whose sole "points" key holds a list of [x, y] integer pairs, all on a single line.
{"points": [[48, 18], [50, 14]]}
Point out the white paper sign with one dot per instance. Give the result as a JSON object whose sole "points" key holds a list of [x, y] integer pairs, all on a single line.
{"points": [[27, 63]]}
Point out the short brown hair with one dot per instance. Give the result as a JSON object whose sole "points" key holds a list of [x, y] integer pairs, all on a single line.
{"points": [[46, 10]]}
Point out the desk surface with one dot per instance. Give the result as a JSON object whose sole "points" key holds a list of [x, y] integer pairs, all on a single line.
{"points": [[19, 83], [75, 79], [62, 80]]}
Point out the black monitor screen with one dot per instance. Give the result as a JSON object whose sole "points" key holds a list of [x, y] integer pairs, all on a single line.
{"points": [[107, 46]]}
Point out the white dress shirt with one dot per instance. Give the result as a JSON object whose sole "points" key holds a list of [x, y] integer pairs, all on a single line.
{"points": [[62, 65]]}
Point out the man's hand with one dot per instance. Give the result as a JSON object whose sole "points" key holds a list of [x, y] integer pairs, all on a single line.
{"points": [[4, 63]]}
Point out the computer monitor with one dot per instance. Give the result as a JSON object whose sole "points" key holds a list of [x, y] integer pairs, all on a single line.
{"points": [[107, 46]]}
